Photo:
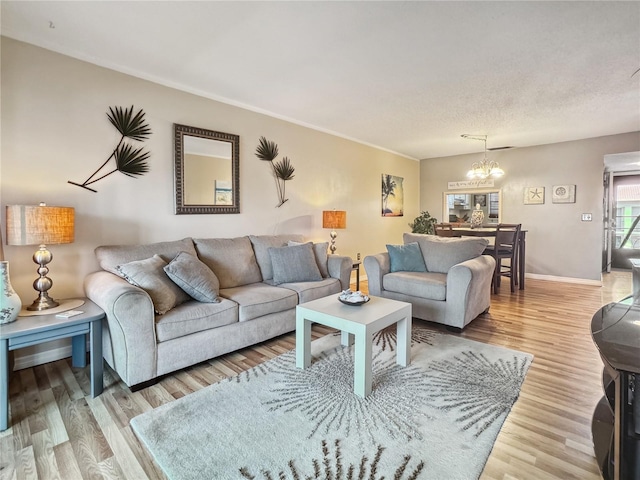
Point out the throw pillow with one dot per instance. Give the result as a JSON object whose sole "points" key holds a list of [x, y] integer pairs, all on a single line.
{"points": [[320, 252], [294, 264], [406, 258], [261, 245], [442, 253], [194, 277], [149, 275]]}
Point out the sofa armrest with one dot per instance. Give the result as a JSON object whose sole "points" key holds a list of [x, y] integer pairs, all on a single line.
{"points": [[131, 322], [469, 288], [376, 266], [340, 267]]}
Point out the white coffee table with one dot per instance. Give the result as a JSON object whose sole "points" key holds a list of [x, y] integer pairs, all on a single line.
{"points": [[360, 322]]}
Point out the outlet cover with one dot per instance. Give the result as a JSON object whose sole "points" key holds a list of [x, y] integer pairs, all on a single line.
{"points": [[586, 217]]}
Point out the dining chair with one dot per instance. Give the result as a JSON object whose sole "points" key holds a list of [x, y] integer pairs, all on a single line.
{"points": [[445, 230], [505, 247]]}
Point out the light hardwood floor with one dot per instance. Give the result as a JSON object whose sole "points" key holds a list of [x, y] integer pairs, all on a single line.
{"points": [[59, 431]]}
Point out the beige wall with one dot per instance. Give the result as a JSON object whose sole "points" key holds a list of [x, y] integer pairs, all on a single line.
{"points": [[54, 129], [559, 244]]}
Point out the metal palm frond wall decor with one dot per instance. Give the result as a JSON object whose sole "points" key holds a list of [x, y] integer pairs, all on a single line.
{"points": [[282, 169], [129, 160]]}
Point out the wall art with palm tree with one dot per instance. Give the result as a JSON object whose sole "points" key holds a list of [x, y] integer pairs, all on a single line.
{"points": [[129, 160], [392, 196]]}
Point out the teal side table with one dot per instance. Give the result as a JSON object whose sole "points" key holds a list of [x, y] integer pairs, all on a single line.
{"points": [[33, 330]]}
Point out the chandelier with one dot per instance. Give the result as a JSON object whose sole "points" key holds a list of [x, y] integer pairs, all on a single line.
{"points": [[485, 168]]}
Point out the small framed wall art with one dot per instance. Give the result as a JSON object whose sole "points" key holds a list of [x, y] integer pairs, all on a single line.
{"points": [[533, 195], [563, 194], [480, 199]]}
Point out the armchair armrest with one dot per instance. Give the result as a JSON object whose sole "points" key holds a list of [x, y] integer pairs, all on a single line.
{"points": [[131, 323], [340, 267], [469, 289], [376, 266]]}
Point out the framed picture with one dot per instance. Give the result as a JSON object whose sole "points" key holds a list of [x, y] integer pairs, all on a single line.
{"points": [[534, 195], [223, 193], [392, 196], [480, 199], [563, 194]]}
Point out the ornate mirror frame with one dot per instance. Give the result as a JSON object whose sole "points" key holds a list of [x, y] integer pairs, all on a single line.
{"points": [[181, 207]]}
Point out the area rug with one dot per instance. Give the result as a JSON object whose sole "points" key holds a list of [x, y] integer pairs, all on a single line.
{"points": [[437, 418]]}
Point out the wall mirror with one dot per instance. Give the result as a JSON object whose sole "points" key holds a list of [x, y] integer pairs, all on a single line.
{"points": [[207, 171], [458, 205]]}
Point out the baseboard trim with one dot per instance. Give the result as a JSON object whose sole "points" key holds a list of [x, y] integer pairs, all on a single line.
{"points": [[553, 278], [46, 356]]}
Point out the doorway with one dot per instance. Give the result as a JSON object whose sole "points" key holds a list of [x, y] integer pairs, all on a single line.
{"points": [[622, 215]]}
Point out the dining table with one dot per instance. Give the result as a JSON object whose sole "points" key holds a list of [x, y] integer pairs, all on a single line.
{"points": [[490, 231]]}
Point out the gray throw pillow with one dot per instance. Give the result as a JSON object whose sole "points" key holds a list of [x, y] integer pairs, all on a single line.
{"points": [[149, 275], [194, 277], [320, 252], [406, 258], [294, 264], [261, 245]]}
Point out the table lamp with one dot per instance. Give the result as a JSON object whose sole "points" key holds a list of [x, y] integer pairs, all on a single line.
{"points": [[334, 219], [40, 225]]}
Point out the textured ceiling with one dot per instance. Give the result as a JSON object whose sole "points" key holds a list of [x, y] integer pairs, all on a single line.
{"points": [[409, 77]]}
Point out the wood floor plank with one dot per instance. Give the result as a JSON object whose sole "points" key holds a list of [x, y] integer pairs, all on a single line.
{"points": [[26, 464], [127, 461], [61, 432], [67, 462], [55, 425], [45, 459]]}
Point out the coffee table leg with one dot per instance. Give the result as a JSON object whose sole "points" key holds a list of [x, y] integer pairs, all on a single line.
{"points": [[362, 376], [346, 338], [403, 355], [303, 341], [4, 385]]}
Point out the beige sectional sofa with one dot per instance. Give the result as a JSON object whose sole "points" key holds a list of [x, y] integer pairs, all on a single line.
{"points": [[171, 305], [451, 285]]}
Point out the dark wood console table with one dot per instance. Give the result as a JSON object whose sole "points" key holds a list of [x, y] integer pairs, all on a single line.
{"points": [[615, 329]]}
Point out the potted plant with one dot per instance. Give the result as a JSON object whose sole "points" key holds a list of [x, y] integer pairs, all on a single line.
{"points": [[424, 223]]}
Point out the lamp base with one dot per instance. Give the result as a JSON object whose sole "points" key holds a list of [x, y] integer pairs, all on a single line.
{"points": [[42, 284], [43, 302], [333, 246]]}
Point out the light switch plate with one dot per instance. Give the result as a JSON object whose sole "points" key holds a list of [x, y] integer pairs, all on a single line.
{"points": [[586, 217]]}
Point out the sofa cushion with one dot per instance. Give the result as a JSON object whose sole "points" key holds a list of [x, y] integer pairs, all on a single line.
{"points": [[406, 258], [320, 252], [308, 291], [194, 277], [294, 264], [110, 256], [261, 245], [260, 299], [192, 317], [442, 253], [417, 284], [231, 259], [149, 275]]}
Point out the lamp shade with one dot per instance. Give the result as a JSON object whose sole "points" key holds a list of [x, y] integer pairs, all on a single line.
{"points": [[39, 225], [335, 219]]}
